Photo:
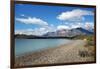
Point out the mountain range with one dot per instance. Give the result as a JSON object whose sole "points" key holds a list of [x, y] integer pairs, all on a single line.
{"points": [[61, 33], [69, 33]]}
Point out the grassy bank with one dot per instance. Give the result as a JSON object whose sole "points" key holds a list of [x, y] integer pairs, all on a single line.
{"points": [[90, 45]]}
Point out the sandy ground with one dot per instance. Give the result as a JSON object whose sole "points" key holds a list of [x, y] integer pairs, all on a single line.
{"points": [[67, 53]]}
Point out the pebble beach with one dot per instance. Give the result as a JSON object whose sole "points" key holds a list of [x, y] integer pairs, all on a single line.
{"points": [[66, 53]]}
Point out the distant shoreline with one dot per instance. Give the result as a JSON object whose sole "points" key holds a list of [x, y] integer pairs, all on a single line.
{"points": [[17, 36], [41, 37], [67, 53]]}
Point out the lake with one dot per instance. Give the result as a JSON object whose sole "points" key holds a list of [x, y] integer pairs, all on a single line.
{"points": [[23, 46]]}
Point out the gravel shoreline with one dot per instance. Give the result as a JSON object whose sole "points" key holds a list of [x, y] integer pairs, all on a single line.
{"points": [[67, 53]]}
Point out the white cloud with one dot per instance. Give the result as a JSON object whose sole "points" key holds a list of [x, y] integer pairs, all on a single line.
{"points": [[36, 31], [86, 25], [33, 20], [62, 27], [74, 15], [42, 30], [25, 31], [89, 25], [76, 25]]}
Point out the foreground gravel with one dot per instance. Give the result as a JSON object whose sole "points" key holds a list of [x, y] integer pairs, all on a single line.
{"points": [[67, 53]]}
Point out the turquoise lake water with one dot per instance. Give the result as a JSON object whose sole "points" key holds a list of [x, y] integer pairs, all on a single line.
{"points": [[23, 46]]}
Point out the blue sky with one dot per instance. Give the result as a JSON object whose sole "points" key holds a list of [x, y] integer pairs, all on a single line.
{"points": [[39, 19]]}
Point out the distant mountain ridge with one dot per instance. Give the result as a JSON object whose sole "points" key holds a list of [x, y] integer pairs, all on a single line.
{"points": [[69, 33], [60, 33]]}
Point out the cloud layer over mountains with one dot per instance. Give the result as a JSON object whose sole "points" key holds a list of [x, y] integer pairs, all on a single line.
{"points": [[75, 16]]}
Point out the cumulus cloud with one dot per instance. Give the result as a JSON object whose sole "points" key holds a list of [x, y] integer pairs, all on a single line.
{"points": [[86, 25], [36, 31], [42, 30], [25, 31], [74, 15], [62, 27], [33, 20], [89, 25]]}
